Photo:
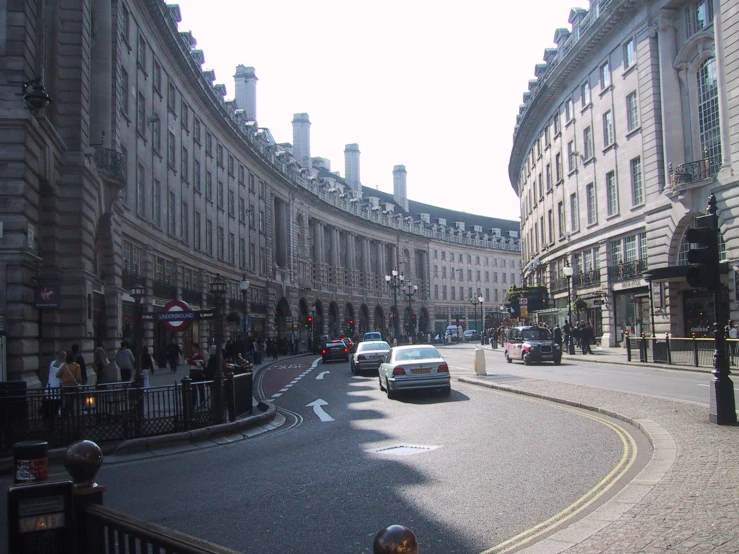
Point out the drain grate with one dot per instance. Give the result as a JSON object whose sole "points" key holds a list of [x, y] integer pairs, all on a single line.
{"points": [[403, 449]]}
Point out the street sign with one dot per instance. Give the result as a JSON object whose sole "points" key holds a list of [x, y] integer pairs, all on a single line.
{"points": [[176, 315], [523, 301]]}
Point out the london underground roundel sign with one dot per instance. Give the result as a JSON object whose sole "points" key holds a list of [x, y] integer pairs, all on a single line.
{"points": [[177, 315]]}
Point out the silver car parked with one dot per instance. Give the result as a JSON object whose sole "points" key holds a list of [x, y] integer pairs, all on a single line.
{"points": [[414, 366], [369, 355]]}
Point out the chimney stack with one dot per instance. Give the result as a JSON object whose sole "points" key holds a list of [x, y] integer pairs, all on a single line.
{"points": [[400, 190], [246, 91], [351, 166], [301, 139]]}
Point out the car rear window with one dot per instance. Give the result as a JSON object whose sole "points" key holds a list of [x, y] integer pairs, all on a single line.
{"points": [[416, 354], [376, 345], [538, 333]]}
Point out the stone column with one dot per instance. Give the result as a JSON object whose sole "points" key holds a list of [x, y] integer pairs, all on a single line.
{"points": [[671, 99], [101, 73]]}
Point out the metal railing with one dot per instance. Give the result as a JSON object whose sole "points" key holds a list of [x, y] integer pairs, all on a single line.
{"points": [[694, 172], [627, 270], [586, 278], [109, 162], [696, 352], [116, 412]]}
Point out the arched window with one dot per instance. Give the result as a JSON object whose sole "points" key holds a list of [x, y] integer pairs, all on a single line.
{"points": [[708, 117]]}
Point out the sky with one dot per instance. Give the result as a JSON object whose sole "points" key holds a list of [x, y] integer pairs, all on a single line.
{"points": [[434, 86]]}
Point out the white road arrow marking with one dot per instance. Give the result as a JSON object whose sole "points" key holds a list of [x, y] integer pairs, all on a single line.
{"points": [[315, 363], [316, 405], [319, 377]]}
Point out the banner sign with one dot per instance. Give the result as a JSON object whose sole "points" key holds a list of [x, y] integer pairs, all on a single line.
{"points": [[47, 296]]}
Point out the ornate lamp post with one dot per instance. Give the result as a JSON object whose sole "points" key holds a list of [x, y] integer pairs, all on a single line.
{"points": [[395, 281], [218, 290], [568, 271], [244, 288], [481, 299], [138, 292], [410, 292], [475, 300]]}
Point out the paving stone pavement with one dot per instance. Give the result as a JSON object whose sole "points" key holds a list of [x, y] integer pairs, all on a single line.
{"points": [[692, 508]]}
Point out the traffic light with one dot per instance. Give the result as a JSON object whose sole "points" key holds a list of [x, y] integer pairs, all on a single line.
{"points": [[351, 325], [309, 321], [703, 257]]}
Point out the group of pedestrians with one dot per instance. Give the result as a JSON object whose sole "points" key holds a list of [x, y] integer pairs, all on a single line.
{"points": [[581, 334]]}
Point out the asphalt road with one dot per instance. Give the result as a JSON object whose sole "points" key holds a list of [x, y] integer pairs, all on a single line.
{"points": [[466, 473]]}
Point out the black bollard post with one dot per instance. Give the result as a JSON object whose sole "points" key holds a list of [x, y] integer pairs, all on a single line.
{"points": [[82, 461], [187, 403], [628, 346], [395, 539]]}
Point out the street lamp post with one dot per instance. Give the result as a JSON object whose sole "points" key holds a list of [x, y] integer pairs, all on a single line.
{"points": [[218, 290], [481, 299], [475, 301], [395, 281], [410, 292], [244, 288], [138, 292], [568, 271]]}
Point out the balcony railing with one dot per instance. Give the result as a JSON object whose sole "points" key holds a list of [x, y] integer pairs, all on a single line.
{"points": [[586, 279], [109, 162], [625, 271], [130, 279], [558, 284], [694, 172], [164, 289]]}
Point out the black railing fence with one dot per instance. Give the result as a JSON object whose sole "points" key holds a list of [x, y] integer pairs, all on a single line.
{"points": [[116, 412], [696, 352]]}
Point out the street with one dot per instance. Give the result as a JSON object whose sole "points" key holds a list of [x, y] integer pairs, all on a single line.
{"points": [[466, 473]]}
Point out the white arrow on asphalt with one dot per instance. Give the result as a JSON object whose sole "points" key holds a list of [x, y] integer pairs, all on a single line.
{"points": [[320, 375], [315, 363], [316, 405]]}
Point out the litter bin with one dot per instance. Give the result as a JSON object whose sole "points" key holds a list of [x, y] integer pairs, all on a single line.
{"points": [[660, 352], [31, 461]]}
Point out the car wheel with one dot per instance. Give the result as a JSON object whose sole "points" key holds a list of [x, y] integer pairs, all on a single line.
{"points": [[390, 393], [379, 380], [526, 358], [557, 361], [508, 358], [351, 366]]}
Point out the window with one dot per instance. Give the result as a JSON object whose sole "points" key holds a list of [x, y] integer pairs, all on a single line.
{"points": [[550, 226], [637, 187], [605, 76], [231, 248], [454, 293], [699, 16], [124, 91], [156, 134], [574, 215], [209, 186], [616, 252], [543, 231], [208, 144], [547, 140], [185, 164], [590, 197], [569, 111], [219, 155], [561, 223], [221, 194], [261, 221], [541, 186], [209, 236], [171, 214], [241, 174], [141, 53], [251, 182], [549, 177], [643, 245], [252, 257], [231, 203], [630, 252], [503, 277], [184, 115], [156, 203], [242, 253], [141, 115], [170, 150], [184, 223], [585, 94], [632, 112], [156, 79], [231, 165], [196, 230], [140, 190], [708, 120], [558, 166], [196, 130], [570, 156], [250, 213], [607, 128], [196, 175], [587, 136], [242, 211], [125, 24], [629, 53], [611, 193], [555, 121], [171, 97]]}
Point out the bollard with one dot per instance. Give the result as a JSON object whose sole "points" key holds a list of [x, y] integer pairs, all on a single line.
{"points": [[628, 346], [479, 363], [82, 460], [395, 539], [30, 461], [643, 349], [695, 351], [669, 354]]}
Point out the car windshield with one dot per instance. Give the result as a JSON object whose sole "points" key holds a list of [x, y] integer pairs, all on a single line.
{"points": [[372, 346], [536, 333], [420, 353]]}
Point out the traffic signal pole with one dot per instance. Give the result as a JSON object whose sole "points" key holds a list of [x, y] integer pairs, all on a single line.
{"points": [[704, 272]]}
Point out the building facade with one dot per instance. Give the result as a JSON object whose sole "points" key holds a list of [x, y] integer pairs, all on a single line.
{"points": [[122, 164], [623, 134]]}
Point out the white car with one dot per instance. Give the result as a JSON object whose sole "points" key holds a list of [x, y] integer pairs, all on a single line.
{"points": [[414, 366], [369, 355]]}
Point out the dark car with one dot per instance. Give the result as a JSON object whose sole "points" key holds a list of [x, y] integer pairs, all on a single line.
{"points": [[335, 350], [531, 345]]}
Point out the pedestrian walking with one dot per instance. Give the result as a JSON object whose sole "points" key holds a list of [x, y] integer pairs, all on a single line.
{"points": [[126, 362], [52, 391], [79, 359], [173, 355], [147, 366], [100, 360], [196, 362], [70, 377], [586, 338], [557, 333]]}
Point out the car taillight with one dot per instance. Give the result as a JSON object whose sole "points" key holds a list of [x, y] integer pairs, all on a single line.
{"points": [[346, 350], [323, 351], [443, 368], [399, 371]]}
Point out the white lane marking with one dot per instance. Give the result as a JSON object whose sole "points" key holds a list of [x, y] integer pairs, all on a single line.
{"points": [[295, 381], [316, 405], [319, 377], [275, 395]]}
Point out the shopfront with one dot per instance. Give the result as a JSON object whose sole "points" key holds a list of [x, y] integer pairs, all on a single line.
{"points": [[631, 308], [698, 313]]}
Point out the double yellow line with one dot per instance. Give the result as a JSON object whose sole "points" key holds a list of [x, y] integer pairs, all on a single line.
{"points": [[588, 499]]}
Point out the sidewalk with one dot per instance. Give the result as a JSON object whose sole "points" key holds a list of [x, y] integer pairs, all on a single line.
{"points": [[687, 498]]}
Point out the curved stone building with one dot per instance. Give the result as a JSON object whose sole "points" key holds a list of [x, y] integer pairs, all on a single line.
{"points": [[124, 169], [627, 128]]}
